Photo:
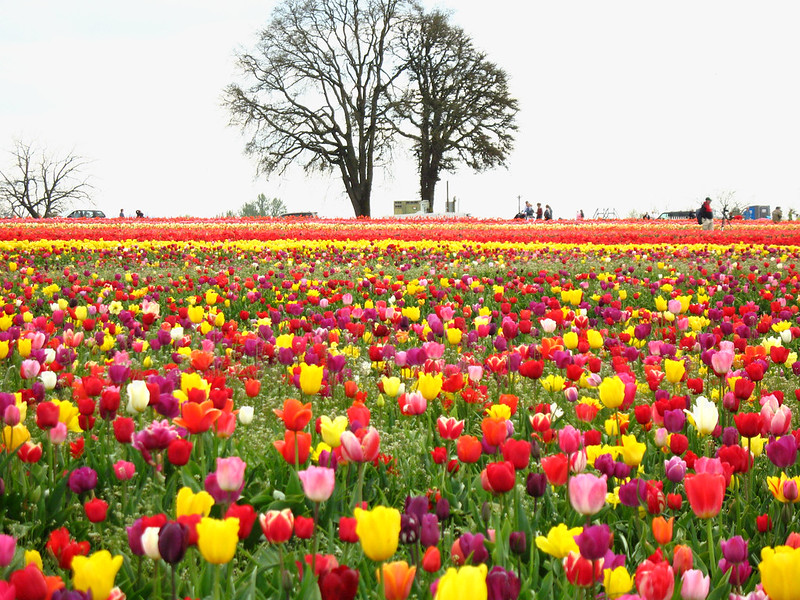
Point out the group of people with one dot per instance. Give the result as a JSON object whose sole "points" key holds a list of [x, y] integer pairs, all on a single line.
{"points": [[539, 214], [139, 214]]}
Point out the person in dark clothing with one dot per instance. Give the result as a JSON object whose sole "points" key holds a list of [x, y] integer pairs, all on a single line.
{"points": [[548, 212], [538, 211], [707, 216]]}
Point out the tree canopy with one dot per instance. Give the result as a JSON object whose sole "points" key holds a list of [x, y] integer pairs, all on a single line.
{"points": [[331, 83], [457, 107], [316, 90]]}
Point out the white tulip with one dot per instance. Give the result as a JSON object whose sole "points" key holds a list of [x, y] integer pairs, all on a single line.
{"points": [[138, 396]]}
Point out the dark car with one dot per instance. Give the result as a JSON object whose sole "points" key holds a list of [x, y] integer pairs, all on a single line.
{"points": [[678, 214], [86, 214], [299, 215]]}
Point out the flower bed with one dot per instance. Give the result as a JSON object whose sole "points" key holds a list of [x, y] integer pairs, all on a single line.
{"points": [[339, 409]]}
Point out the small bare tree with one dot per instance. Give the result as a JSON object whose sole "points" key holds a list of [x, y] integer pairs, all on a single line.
{"points": [[41, 185]]}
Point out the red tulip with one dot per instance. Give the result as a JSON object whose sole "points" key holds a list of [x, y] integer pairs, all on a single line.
{"points": [[705, 492], [556, 468], [501, 476]]}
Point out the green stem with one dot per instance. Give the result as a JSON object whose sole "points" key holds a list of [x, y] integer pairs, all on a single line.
{"points": [[710, 540]]}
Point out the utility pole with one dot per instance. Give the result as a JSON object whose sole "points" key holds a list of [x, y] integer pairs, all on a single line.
{"points": [[519, 206]]}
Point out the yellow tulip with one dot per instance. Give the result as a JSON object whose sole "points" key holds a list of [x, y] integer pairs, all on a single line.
{"points": [[217, 538], [466, 582], [196, 313], [310, 378], [391, 386], [674, 370], [378, 531], [33, 556], [24, 347], [632, 450], [570, 340], [4, 349], [595, 339], [95, 573], [778, 567], [454, 335], [430, 385], [617, 582], [332, 430], [612, 392], [189, 503], [560, 541], [553, 383], [775, 485], [14, 437]]}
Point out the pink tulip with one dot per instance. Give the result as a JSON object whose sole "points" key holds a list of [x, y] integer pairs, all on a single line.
{"points": [[449, 428], [318, 483], [29, 369], [8, 545], [58, 434], [587, 493], [721, 362], [413, 404], [230, 473], [362, 447], [694, 585]]}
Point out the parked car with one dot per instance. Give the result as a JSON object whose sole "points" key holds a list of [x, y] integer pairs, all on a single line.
{"points": [[303, 214], [678, 214], [86, 214]]}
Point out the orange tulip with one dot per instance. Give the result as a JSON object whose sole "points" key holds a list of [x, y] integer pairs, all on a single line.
{"points": [[397, 578], [295, 414], [197, 418], [200, 360], [662, 530], [494, 430], [286, 446]]}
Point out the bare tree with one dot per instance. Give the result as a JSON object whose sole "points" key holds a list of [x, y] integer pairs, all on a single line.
{"points": [[316, 90], [457, 107], [41, 185]]}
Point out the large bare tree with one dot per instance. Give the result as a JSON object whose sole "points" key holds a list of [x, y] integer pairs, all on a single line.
{"points": [[316, 90], [457, 107], [41, 185]]}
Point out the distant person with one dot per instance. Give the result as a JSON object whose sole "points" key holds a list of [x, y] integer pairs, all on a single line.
{"points": [[579, 216], [777, 214], [538, 211], [528, 210], [706, 216], [548, 213], [646, 216], [139, 214], [121, 213]]}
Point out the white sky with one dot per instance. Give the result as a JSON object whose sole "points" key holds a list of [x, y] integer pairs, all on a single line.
{"points": [[631, 105]]}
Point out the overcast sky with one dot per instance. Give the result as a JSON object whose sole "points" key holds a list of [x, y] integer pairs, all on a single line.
{"points": [[630, 105]]}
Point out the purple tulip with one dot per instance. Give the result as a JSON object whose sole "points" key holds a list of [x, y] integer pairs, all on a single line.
{"points": [[782, 452], [594, 541], [173, 539], [675, 469], [429, 531], [734, 549], [633, 493], [518, 542], [536, 484], [473, 549], [674, 420], [82, 479], [502, 584]]}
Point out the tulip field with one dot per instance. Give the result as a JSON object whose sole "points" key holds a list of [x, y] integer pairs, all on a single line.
{"points": [[453, 409]]}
